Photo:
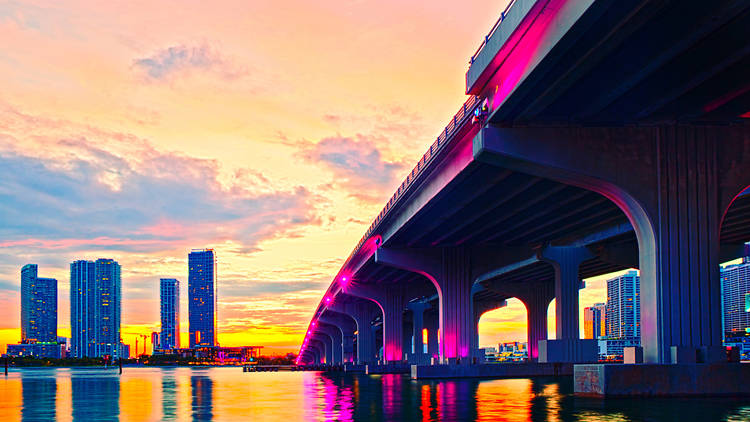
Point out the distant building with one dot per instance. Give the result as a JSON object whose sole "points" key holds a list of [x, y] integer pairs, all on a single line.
{"points": [[154, 341], [202, 298], [40, 350], [623, 314], [735, 301], [735, 287], [124, 351], [594, 321], [95, 308], [169, 292], [38, 307]]}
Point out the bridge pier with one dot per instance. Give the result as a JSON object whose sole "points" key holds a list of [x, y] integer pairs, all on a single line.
{"points": [[391, 299], [674, 182], [347, 327], [567, 347], [336, 341], [432, 323], [418, 308]]}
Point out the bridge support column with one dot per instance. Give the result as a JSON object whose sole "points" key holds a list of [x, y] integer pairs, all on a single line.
{"points": [[480, 308], [567, 347], [363, 313], [536, 321], [392, 300], [536, 296], [432, 323], [327, 342], [673, 182], [452, 271], [418, 308], [336, 342], [346, 326]]}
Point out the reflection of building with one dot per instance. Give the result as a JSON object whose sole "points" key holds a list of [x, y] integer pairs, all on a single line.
{"points": [[95, 398], [203, 394], [623, 314], [169, 292], [38, 306], [202, 297], [35, 391], [594, 321], [95, 308], [735, 298]]}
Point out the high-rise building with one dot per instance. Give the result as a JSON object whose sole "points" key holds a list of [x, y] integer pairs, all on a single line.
{"points": [[38, 307], [623, 314], [108, 297], [169, 289], [95, 308], [735, 286], [82, 308], [202, 297], [594, 321]]}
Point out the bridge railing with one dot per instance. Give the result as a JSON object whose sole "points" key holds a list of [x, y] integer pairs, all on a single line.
{"points": [[492, 31], [459, 119]]}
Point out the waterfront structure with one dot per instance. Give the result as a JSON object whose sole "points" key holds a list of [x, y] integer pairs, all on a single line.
{"points": [[735, 288], [38, 306], [622, 316], [735, 298], [46, 349], [169, 295], [202, 298], [154, 341], [95, 308], [594, 321]]}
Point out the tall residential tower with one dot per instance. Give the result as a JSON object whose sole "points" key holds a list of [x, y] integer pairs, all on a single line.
{"points": [[169, 337], [95, 308], [38, 307], [202, 297]]}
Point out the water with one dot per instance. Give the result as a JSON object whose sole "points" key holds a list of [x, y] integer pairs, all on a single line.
{"points": [[152, 394]]}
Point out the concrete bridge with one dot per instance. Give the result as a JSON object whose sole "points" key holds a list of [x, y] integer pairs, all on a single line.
{"points": [[599, 135]]}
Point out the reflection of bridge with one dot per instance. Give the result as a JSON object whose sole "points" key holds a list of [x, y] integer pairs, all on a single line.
{"points": [[615, 136]]}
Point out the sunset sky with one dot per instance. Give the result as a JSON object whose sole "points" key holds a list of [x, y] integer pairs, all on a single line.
{"points": [[271, 131]]}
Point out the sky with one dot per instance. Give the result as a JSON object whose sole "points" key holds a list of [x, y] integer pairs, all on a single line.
{"points": [[271, 131]]}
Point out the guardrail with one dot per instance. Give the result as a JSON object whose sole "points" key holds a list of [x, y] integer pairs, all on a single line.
{"points": [[492, 31]]}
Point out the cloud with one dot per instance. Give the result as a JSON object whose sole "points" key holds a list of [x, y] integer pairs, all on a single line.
{"points": [[181, 58], [357, 165], [100, 190]]}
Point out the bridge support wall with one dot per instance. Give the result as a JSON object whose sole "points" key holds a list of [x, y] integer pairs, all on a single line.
{"points": [[674, 183]]}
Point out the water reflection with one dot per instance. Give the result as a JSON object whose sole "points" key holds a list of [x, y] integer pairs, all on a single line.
{"points": [[95, 395], [169, 397], [38, 395], [228, 394], [202, 390]]}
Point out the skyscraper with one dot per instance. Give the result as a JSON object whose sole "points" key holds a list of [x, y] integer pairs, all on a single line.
{"points": [[623, 315], [108, 298], [202, 297], [594, 321], [38, 307], [95, 308], [735, 285], [169, 337], [82, 308]]}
